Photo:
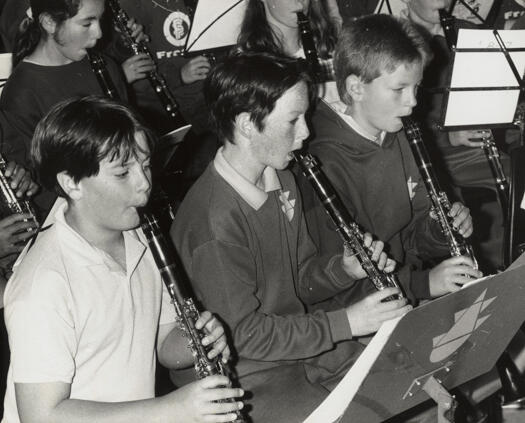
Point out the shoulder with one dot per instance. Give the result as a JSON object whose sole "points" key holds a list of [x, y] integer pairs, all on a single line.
{"points": [[22, 80], [40, 275], [211, 210]]}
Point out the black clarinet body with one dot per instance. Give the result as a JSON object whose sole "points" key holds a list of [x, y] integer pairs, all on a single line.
{"points": [[157, 81], [320, 70], [310, 52], [493, 157], [347, 229], [98, 65], [176, 283], [441, 205], [448, 23]]}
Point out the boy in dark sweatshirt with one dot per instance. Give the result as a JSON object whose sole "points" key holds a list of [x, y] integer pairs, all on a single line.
{"points": [[379, 63], [242, 238]]}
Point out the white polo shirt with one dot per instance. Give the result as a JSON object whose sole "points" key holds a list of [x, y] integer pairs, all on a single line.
{"points": [[74, 316]]}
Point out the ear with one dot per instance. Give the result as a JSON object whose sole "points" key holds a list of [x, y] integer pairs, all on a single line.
{"points": [[354, 87], [47, 22], [72, 189], [244, 125]]}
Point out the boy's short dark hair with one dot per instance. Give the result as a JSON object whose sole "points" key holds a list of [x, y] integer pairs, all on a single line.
{"points": [[249, 82], [76, 134], [370, 45]]}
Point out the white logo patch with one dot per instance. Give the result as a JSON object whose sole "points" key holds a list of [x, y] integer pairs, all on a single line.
{"points": [[411, 188], [287, 205], [176, 27]]}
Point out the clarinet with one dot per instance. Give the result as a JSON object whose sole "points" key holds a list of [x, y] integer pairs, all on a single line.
{"points": [[347, 229], [98, 65], [310, 52], [9, 204], [440, 203], [448, 23], [157, 81], [174, 278], [319, 72], [492, 152]]}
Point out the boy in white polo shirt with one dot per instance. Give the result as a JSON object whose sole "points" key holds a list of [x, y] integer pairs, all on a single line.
{"points": [[86, 309]]}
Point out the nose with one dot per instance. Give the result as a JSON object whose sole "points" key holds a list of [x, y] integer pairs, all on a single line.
{"points": [[303, 132], [96, 30], [143, 183], [411, 100]]}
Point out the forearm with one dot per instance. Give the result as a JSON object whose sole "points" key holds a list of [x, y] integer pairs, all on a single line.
{"points": [[78, 411], [321, 276], [292, 337], [50, 402]]}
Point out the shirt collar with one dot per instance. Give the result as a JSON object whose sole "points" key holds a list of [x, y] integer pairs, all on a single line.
{"points": [[249, 192], [86, 254], [340, 108]]}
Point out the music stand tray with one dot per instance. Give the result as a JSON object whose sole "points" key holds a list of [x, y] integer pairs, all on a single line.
{"points": [[430, 350]]}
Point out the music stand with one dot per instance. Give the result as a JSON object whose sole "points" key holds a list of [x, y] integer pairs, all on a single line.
{"points": [[430, 350], [215, 25], [486, 98]]}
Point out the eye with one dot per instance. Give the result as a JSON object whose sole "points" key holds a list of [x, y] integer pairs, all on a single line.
{"points": [[122, 174]]}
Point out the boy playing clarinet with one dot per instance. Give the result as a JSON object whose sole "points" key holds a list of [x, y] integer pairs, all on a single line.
{"points": [[243, 223], [379, 62], [86, 310]]}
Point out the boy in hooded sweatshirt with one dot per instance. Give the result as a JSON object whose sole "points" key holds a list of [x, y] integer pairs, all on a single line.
{"points": [[360, 145]]}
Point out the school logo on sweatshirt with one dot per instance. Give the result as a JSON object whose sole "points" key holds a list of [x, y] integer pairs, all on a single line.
{"points": [[287, 204], [176, 27], [411, 187]]}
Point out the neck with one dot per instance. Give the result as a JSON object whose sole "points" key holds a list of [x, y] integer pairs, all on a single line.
{"points": [[243, 164], [288, 37], [47, 54], [372, 134], [111, 242], [433, 28]]}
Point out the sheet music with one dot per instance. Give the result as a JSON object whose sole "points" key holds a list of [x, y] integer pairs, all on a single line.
{"points": [[333, 407], [477, 73], [481, 107], [223, 31]]}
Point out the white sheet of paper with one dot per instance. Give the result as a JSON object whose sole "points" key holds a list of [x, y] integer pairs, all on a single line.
{"points": [[481, 107], [484, 38], [223, 32], [334, 406], [484, 69]]}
